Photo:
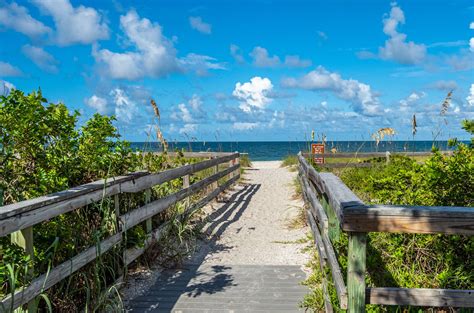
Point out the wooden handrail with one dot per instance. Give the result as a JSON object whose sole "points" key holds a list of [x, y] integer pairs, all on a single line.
{"points": [[357, 219], [24, 215]]}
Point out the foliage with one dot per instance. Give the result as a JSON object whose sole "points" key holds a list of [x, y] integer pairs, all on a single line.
{"points": [[245, 160], [290, 161], [42, 151]]}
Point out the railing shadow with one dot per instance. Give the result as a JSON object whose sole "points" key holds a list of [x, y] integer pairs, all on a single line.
{"points": [[192, 280]]}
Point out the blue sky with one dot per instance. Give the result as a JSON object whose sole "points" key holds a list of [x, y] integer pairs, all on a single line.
{"points": [[247, 70]]}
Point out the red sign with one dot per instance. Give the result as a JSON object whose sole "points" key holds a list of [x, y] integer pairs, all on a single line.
{"points": [[317, 148]]}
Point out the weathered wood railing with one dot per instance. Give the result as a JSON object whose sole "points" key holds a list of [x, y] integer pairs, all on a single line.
{"points": [[19, 219], [333, 208], [349, 158]]}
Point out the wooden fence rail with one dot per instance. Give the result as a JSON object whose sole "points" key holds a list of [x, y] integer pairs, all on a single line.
{"points": [[334, 208], [19, 219]]}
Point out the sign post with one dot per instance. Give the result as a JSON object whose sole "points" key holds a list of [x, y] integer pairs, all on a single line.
{"points": [[317, 148]]}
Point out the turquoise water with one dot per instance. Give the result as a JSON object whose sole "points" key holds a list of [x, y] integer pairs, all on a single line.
{"points": [[277, 150]]}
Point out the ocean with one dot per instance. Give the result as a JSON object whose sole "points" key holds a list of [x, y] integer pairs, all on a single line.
{"points": [[277, 150]]}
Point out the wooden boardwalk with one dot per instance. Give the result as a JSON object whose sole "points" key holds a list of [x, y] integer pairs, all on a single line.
{"points": [[226, 288], [251, 261]]}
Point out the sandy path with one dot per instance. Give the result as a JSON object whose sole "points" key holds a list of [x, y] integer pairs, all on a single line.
{"points": [[252, 228]]}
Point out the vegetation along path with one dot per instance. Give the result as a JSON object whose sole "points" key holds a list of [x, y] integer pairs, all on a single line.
{"points": [[252, 260]]}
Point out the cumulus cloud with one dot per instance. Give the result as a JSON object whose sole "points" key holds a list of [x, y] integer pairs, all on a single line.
{"points": [[236, 53], [397, 48], [16, 17], [359, 94], [41, 58], [154, 55], [405, 104], [261, 58], [98, 103], [125, 108], [470, 97], [198, 24], [74, 25], [189, 113], [253, 95], [8, 70], [188, 129]]}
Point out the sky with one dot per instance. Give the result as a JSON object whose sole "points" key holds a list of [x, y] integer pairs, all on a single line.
{"points": [[247, 70]]}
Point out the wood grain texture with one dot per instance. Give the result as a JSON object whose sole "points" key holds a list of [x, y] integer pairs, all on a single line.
{"points": [[162, 177], [315, 205], [410, 219], [421, 297], [356, 259]]}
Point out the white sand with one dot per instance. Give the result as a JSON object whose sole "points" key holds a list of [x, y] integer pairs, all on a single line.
{"points": [[253, 227]]}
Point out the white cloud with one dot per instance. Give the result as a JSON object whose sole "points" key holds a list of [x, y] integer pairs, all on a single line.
{"points": [[198, 24], [296, 61], [188, 129], [410, 100], [471, 44], [155, 55], [16, 17], [6, 69], [200, 64], [244, 126], [5, 87], [261, 58], [97, 103], [236, 53], [41, 58], [359, 94], [253, 94], [470, 97], [125, 108], [396, 47], [74, 25], [190, 113], [471, 25]]}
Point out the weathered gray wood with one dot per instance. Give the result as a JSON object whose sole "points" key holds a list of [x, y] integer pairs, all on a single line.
{"points": [[337, 277], [38, 215], [315, 205], [421, 297], [340, 197], [410, 219], [148, 222], [28, 205], [58, 273], [136, 216], [317, 236], [355, 155], [356, 260], [162, 177]]}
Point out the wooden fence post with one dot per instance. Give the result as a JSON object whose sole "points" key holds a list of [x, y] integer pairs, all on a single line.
{"points": [[24, 239], [356, 272], [149, 225], [186, 185]]}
